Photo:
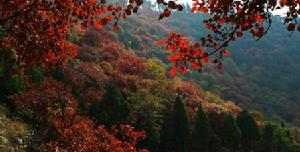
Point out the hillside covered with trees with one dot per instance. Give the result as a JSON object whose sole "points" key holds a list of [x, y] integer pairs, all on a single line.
{"points": [[259, 75], [112, 76]]}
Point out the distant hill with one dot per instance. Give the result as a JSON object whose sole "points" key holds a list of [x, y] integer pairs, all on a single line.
{"points": [[260, 75]]}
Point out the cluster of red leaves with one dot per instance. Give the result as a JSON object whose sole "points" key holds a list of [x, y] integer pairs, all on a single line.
{"points": [[228, 21], [34, 42], [37, 29], [244, 15], [170, 5], [184, 55], [79, 135]]}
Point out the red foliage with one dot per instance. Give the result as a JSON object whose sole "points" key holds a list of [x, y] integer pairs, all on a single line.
{"points": [[228, 21], [170, 5], [191, 93], [48, 101], [127, 83], [79, 135], [122, 66], [183, 54], [93, 71], [52, 104], [36, 30], [131, 65]]}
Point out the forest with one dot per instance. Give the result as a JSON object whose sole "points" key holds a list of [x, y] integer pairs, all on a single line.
{"points": [[149, 76]]}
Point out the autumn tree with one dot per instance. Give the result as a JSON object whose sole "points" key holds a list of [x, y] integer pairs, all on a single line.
{"points": [[80, 135], [43, 36], [154, 69], [49, 103], [228, 21], [47, 42], [35, 31], [201, 134], [231, 134], [249, 129], [54, 110]]}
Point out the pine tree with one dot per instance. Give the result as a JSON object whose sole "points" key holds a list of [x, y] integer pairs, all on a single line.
{"points": [[152, 130], [267, 138], [36, 74], [249, 129], [167, 132], [175, 129], [201, 133], [11, 79], [231, 134], [181, 125], [112, 110]]}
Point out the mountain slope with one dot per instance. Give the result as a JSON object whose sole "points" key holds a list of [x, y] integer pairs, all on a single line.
{"points": [[260, 75]]}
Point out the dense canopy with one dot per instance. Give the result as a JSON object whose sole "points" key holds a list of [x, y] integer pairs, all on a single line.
{"points": [[87, 77], [44, 36]]}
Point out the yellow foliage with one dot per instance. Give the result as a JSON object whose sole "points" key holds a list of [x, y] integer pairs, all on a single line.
{"points": [[155, 69]]}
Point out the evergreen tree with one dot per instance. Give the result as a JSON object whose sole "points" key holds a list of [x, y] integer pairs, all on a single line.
{"points": [[249, 129], [151, 128], [167, 132], [267, 138], [147, 109], [201, 133], [36, 74], [216, 120], [11, 79], [181, 125], [175, 129], [231, 134], [112, 110]]}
